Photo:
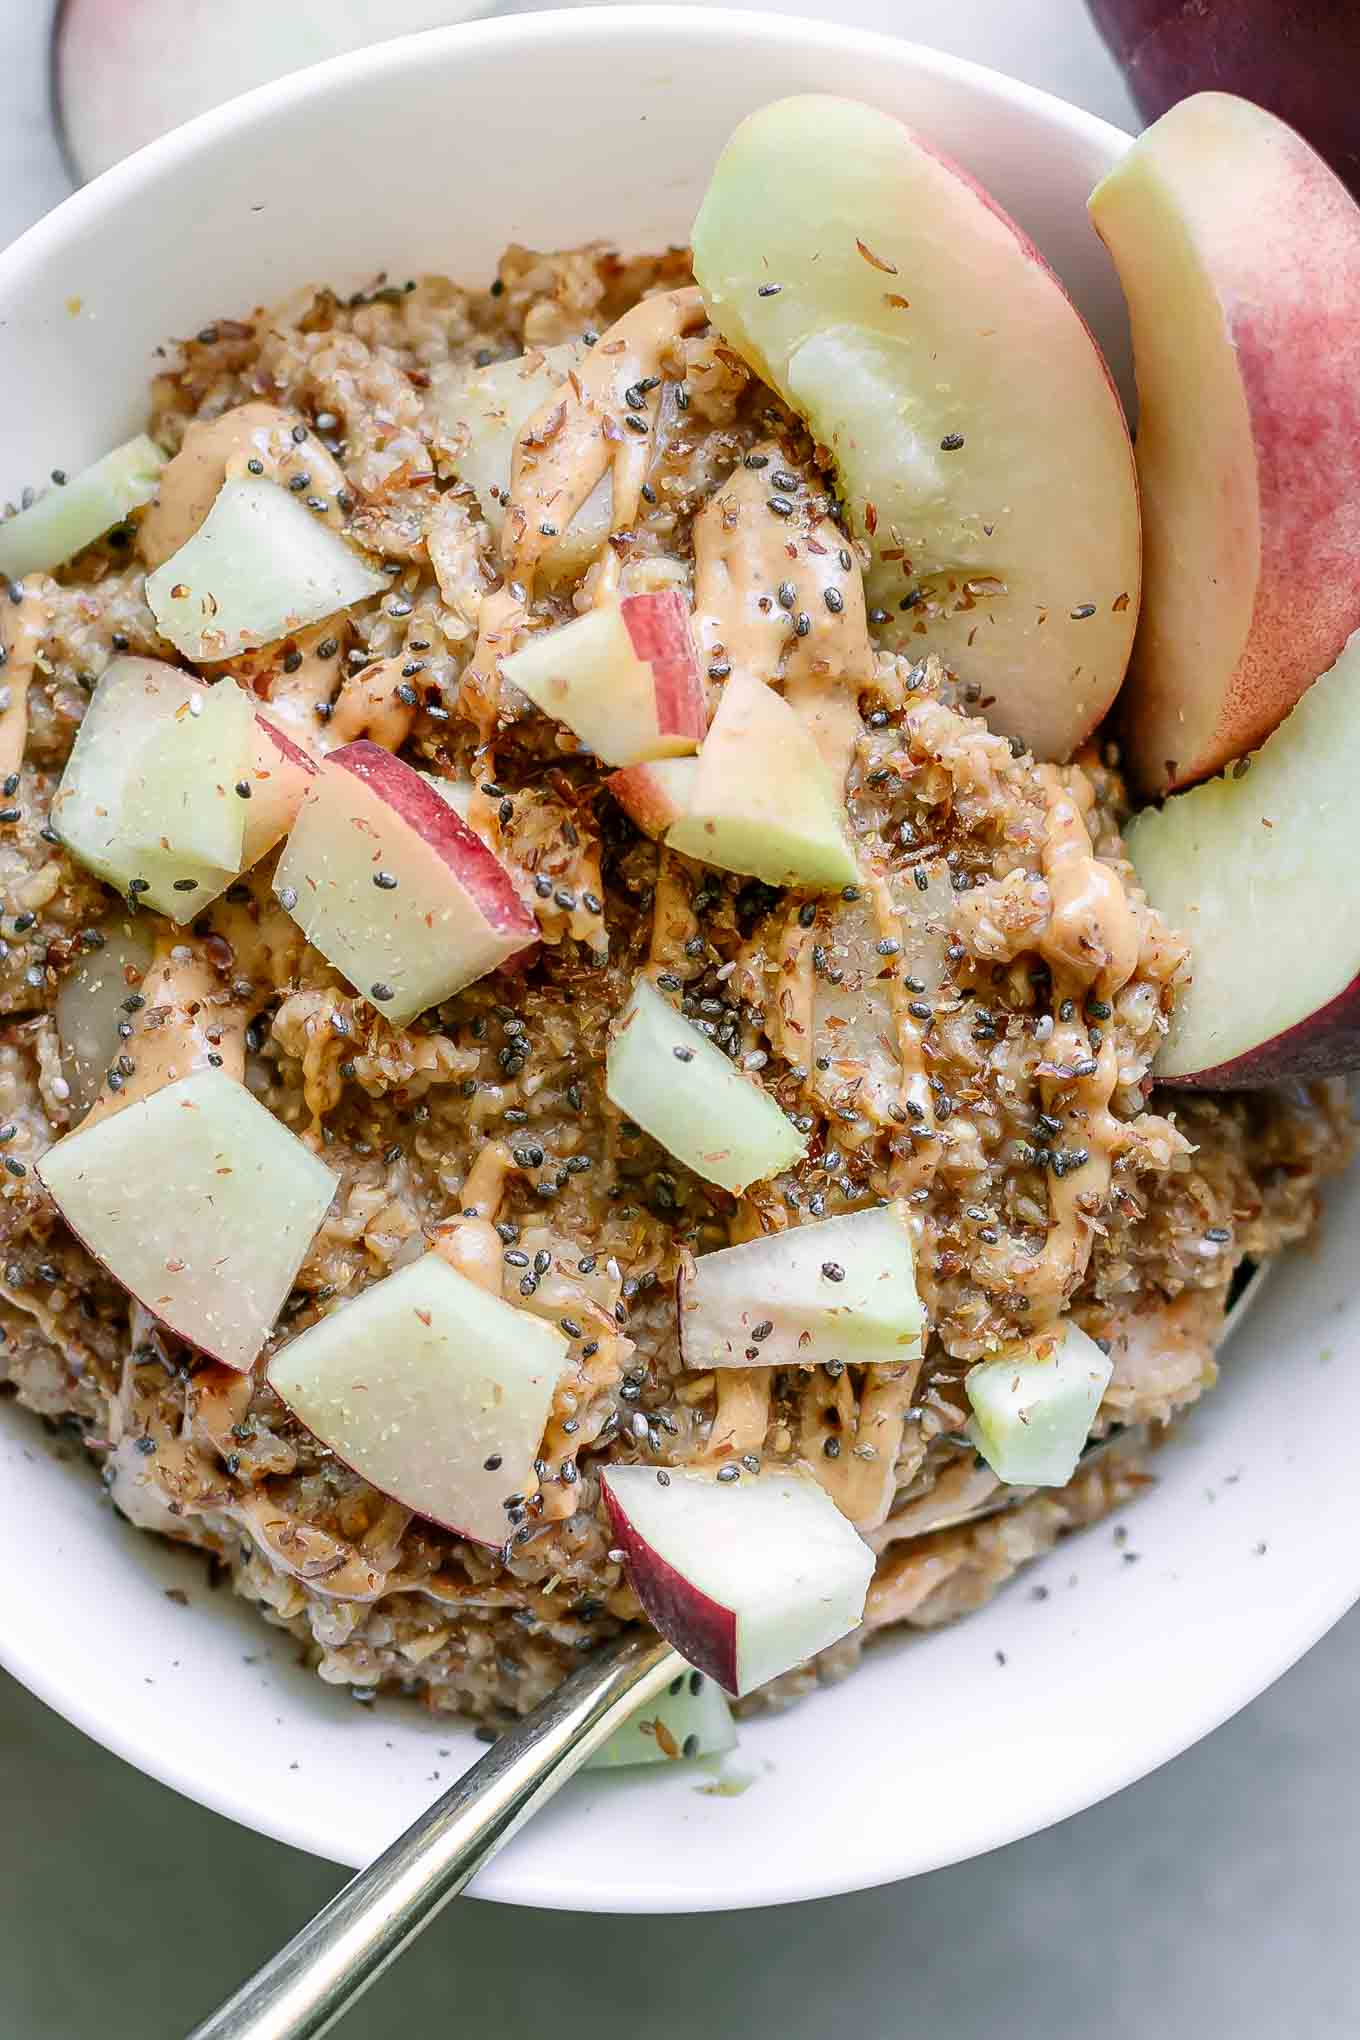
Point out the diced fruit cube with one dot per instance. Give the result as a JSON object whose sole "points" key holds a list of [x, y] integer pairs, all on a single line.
{"points": [[184, 800], [747, 1578], [90, 1002], [977, 435], [839, 1289], [384, 877], [105, 801], [762, 800], [259, 566], [655, 794], [279, 775], [431, 1388], [483, 411], [624, 677], [201, 1203], [670, 1078], [1034, 1404], [71, 515], [691, 1719]]}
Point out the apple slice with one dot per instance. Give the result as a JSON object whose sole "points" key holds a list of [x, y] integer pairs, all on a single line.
{"points": [[431, 1388], [670, 1078], [1256, 870], [1034, 1404], [259, 566], [762, 800], [839, 1289], [691, 1719], [90, 1003], [1239, 253], [185, 798], [624, 677], [484, 409], [279, 775], [385, 878], [747, 1578], [73, 514], [655, 794], [107, 811], [979, 441], [201, 1203]]}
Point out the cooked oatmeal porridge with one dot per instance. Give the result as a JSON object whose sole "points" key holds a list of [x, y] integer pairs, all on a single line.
{"points": [[955, 1023]]}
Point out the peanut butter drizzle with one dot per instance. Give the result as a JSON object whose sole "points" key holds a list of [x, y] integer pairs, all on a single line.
{"points": [[862, 1479], [23, 626], [1091, 944], [560, 455], [220, 449], [319, 703]]}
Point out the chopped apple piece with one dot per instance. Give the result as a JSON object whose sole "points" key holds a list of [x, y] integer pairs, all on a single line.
{"points": [[655, 794], [747, 1578], [979, 441], [762, 800], [1239, 253], [1034, 1404], [71, 515], [118, 795], [691, 1719], [185, 800], [670, 1078], [201, 1203], [484, 409], [839, 1289], [624, 677], [384, 878], [1256, 870], [279, 775], [259, 566], [431, 1388], [90, 1003]]}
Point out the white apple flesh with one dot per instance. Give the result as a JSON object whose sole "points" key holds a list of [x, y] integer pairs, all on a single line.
{"points": [[670, 1079], [690, 1719], [259, 566], [656, 794], [73, 514], [747, 1578], [839, 1289], [1034, 1404], [201, 1203], [762, 801], [1239, 253], [624, 678], [1256, 870], [123, 829], [384, 878], [431, 1388], [978, 438], [278, 776]]}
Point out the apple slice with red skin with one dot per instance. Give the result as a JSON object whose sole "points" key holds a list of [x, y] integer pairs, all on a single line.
{"points": [[746, 1577], [1239, 253], [655, 794], [979, 441], [625, 678], [201, 1203], [432, 1388], [385, 878], [278, 779], [1255, 870]]}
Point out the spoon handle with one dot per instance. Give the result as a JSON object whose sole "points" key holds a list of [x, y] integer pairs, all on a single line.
{"points": [[312, 1982]]}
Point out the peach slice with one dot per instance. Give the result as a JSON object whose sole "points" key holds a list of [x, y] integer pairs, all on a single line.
{"points": [[978, 439], [1239, 253]]}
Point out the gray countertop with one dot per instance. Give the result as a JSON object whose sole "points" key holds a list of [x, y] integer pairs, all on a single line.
{"points": [[1214, 1898]]}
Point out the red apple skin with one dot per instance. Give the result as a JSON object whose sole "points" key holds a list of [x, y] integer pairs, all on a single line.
{"points": [[659, 631], [1325, 1044], [644, 798], [702, 1630], [432, 819], [1299, 58]]}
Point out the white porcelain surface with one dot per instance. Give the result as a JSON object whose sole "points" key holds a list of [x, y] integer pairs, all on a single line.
{"points": [[937, 1749]]}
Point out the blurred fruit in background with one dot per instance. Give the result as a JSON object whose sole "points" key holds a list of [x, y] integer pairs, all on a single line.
{"points": [[1299, 58]]}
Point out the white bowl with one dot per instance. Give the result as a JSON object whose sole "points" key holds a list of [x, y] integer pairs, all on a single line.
{"points": [[431, 154]]}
